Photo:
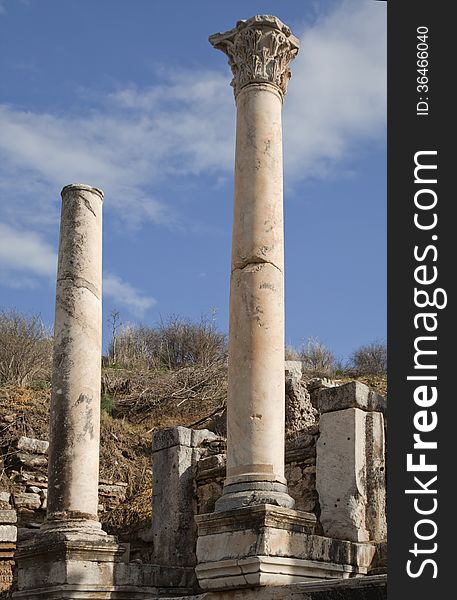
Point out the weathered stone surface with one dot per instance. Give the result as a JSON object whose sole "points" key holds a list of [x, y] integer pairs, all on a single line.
{"points": [[75, 398], [302, 486], [174, 501], [32, 445], [208, 494], [173, 436], [351, 475], [234, 549], [116, 490], [8, 533], [300, 413], [5, 497], [27, 500], [256, 400], [350, 395], [204, 437], [293, 369], [359, 588], [29, 461], [259, 50], [8, 516], [6, 575], [209, 463], [60, 563]]}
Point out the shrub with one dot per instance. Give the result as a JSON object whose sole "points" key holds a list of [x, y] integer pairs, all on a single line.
{"points": [[317, 359], [107, 403], [370, 359], [291, 353], [25, 349], [172, 344]]}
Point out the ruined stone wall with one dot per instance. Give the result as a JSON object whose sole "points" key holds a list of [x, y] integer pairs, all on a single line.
{"points": [[23, 498], [300, 470]]}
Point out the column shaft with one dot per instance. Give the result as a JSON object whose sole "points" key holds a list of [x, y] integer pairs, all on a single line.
{"points": [[75, 400], [255, 410]]}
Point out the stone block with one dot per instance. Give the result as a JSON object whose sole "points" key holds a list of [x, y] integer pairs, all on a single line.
{"points": [[27, 500], [32, 445], [174, 501], [208, 494], [8, 516], [5, 497], [300, 412], [68, 564], [8, 533], [270, 545], [29, 461], [352, 588], [203, 437], [210, 463], [293, 369], [350, 476], [350, 395], [6, 576], [115, 490], [173, 436]]}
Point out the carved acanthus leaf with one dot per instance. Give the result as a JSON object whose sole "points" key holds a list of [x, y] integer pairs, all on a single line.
{"points": [[259, 51]]}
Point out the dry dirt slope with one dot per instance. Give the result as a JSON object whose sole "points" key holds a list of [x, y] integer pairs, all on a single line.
{"points": [[139, 404]]}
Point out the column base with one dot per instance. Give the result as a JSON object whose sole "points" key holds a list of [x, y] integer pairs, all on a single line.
{"points": [[78, 561], [268, 545], [67, 560], [252, 493]]}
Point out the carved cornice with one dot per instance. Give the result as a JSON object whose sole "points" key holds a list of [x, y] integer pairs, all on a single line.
{"points": [[259, 51]]}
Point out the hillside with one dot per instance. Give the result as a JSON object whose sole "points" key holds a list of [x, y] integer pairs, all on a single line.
{"points": [[138, 403]]}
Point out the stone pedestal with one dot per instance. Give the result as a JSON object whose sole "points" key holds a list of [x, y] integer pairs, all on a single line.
{"points": [[350, 476], [259, 52], [267, 545], [67, 563]]}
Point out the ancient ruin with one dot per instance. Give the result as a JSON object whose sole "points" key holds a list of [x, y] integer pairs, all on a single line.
{"points": [[252, 516]]}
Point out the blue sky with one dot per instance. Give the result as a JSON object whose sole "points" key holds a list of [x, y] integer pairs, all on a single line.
{"points": [[129, 96]]}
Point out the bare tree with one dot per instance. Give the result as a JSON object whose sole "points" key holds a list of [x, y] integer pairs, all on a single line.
{"points": [[25, 348], [317, 358], [115, 323], [370, 359]]}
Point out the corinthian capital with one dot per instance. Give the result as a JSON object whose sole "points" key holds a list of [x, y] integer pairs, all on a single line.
{"points": [[259, 51]]}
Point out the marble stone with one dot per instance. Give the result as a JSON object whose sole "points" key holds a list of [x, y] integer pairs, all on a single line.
{"points": [[259, 52]]}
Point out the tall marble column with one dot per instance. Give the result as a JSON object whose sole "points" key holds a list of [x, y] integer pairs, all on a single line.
{"points": [[75, 401], [259, 50]]}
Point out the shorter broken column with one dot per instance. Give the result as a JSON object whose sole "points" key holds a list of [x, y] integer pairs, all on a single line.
{"points": [[350, 476], [70, 556], [75, 399]]}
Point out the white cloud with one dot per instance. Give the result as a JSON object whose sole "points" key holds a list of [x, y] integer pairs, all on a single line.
{"points": [[128, 146], [24, 257], [133, 141], [337, 95], [124, 294]]}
